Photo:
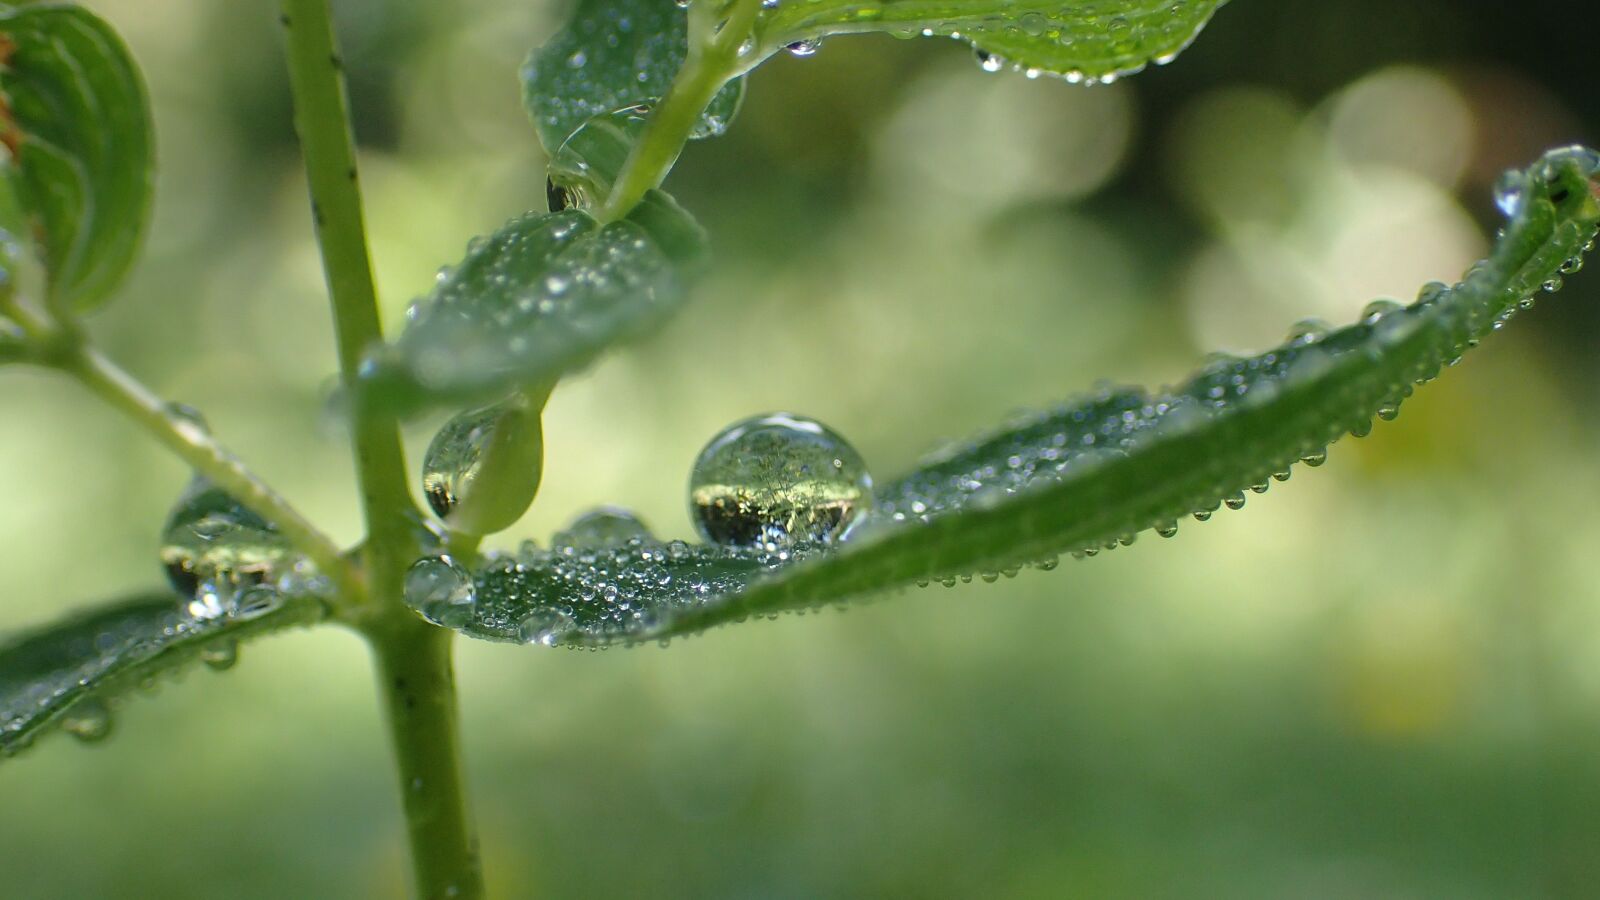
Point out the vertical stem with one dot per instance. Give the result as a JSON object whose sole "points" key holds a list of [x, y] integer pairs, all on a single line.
{"points": [[321, 116], [412, 657], [418, 687]]}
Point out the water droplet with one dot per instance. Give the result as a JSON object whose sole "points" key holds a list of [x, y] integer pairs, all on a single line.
{"points": [[482, 469], [602, 528], [1315, 458], [804, 48], [1377, 309], [213, 549], [777, 480], [559, 197], [221, 654], [547, 627], [989, 62], [1308, 331], [1509, 191], [441, 590], [88, 720], [255, 602]]}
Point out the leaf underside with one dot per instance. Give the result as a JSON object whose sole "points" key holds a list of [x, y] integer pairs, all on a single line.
{"points": [[613, 54], [78, 124], [1086, 476], [96, 657], [1083, 40]]}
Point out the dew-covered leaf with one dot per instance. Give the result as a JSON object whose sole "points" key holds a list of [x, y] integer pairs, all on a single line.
{"points": [[70, 673], [539, 298], [613, 54], [77, 125], [1087, 476], [1080, 40]]}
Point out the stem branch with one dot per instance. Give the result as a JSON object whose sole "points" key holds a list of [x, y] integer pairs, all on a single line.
{"points": [[712, 61], [196, 447]]}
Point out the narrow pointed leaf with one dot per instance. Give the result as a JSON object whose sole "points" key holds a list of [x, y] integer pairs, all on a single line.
{"points": [[82, 663], [78, 127], [1081, 40], [1085, 476], [613, 54]]}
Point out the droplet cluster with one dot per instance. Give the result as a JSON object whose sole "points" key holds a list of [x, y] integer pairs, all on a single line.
{"points": [[1082, 43], [587, 594]]}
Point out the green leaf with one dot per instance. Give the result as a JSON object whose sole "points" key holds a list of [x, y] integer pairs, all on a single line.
{"points": [[1080, 40], [539, 298], [1088, 475], [68, 673], [613, 54], [78, 125]]}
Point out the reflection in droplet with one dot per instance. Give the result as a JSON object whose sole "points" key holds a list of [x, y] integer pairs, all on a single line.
{"points": [[441, 590], [776, 480]]}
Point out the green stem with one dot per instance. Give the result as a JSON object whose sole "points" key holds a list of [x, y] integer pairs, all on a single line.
{"points": [[412, 657], [196, 447], [712, 61], [321, 115], [414, 673]]}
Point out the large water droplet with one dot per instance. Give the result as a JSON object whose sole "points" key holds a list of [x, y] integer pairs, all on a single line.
{"points": [[776, 480], [441, 590], [602, 528], [216, 551], [482, 469]]}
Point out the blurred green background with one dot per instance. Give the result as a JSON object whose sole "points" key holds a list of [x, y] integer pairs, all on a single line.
{"points": [[1379, 680]]}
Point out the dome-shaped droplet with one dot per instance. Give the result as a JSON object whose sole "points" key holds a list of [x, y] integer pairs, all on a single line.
{"points": [[221, 654], [547, 627], [88, 720], [482, 469], [804, 48], [602, 528], [776, 480], [441, 590], [214, 549]]}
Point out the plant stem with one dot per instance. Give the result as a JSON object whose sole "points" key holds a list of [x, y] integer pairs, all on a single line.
{"points": [[412, 657], [321, 114], [712, 60], [414, 673], [196, 447]]}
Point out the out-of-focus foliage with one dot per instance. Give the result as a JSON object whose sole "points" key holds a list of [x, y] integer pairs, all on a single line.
{"points": [[77, 131], [1377, 681]]}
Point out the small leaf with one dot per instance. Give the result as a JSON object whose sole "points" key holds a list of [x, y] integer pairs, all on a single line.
{"points": [[613, 54], [539, 298], [1086, 476], [1080, 40], [67, 674], [78, 127]]}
